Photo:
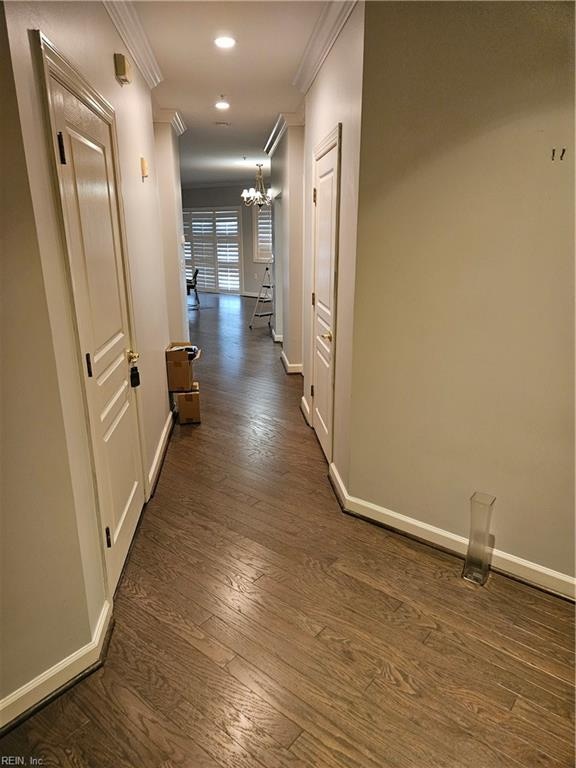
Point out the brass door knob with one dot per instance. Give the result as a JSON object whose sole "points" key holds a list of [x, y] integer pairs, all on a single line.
{"points": [[327, 335], [132, 356]]}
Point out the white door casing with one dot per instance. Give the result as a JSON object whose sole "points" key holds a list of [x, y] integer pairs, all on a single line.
{"points": [[326, 217], [82, 127]]}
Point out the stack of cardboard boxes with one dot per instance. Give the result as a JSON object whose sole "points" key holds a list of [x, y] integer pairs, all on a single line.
{"points": [[184, 391]]}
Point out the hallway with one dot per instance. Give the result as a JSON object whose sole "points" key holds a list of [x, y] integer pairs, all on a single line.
{"points": [[246, 638]]}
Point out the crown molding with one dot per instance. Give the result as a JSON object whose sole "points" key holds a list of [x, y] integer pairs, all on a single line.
{"points": [[219, 184], [127, 22], [173, 117], [275, 135], [284, 121], [323, 37]]}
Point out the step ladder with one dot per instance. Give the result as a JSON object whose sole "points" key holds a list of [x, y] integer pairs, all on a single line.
{"points": [[265, 302]]}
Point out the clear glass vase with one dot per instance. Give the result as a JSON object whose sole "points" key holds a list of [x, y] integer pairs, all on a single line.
{"points": [[477, 563]]}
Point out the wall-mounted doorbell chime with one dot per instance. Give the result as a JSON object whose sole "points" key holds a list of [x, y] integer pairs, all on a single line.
{"points": [[122, 68]]}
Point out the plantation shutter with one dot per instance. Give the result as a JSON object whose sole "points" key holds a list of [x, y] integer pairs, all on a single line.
{"points": [[228, 249], [212, 245], [203, 251], [263, 244]]}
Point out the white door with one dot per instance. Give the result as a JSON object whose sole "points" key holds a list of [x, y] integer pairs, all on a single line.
{"points": [[326, 207], [83, 145]]}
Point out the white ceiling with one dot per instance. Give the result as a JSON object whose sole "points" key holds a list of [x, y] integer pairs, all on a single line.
{"points": [[255, 77]]}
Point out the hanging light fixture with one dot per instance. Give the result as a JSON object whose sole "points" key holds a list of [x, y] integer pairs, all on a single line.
{"points": [[257, 195]]}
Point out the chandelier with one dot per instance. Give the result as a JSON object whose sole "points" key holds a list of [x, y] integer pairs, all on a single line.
{"points": [[257, 195]]}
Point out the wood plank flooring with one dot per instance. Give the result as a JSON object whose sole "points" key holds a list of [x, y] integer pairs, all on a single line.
{"points": [[259, 627]]}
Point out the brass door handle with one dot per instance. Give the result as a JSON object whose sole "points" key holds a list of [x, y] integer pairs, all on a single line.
{"points": [[132, 356], [327, 335]]}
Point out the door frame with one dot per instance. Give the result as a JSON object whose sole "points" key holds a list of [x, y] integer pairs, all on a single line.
{"points": [[52, 63], [331, 140]]}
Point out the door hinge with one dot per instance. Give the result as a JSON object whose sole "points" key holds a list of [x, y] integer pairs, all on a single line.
{"points": [[108, 538], [89, 364], [313, 299], [312, 391], [314, 195], [61, 149]]}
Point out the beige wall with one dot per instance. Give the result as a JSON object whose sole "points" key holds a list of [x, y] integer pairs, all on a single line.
{"points": [[84, 33], [53, 574], [463, 328], [170, 198], [224, 195], [287, 172], [336, 97], [38, 536], [278, 182]]}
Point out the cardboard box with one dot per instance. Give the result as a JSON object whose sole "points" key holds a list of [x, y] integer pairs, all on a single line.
{"points": [[188, 405], [179, 367]]}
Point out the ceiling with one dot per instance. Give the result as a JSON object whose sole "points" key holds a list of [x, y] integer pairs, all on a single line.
{"points": [[255, 77]]}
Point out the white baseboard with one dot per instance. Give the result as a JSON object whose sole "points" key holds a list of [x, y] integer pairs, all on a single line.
{"points": [[157, 461], [305, 408], [61, 673], [278, 337], [533, 573], [288, 366], [249, 295]]}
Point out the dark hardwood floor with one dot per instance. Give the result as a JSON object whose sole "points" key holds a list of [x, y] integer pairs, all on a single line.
{"points": [[259, 627]]}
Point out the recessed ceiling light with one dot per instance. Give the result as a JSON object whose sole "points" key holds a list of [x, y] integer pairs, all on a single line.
{"points": [[222, 104], [225, 42]]}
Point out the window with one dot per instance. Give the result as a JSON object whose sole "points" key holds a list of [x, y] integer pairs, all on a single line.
{"points": [[213, 246], [262, 233]]}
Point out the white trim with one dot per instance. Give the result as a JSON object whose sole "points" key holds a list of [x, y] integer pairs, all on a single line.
{"points": [[128, 25], [325, 33], [56, 64], [305, 408], [276, 134], [157, 460], [224, 184], [284, 121], [277, 337], [288, 366], [217, 291], [173, 117], [249, 294], [33, 692], [533, 573], [329, 141]]}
